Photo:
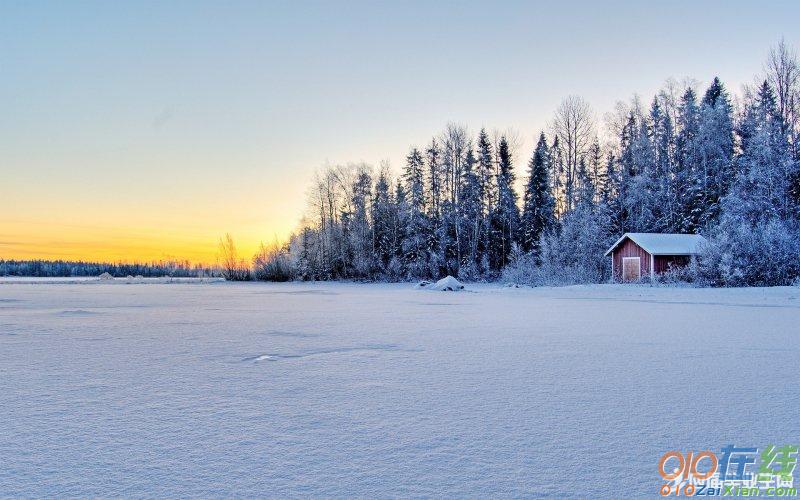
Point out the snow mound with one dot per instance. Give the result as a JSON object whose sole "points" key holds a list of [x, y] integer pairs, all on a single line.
{"points": [[448, 284], [423, 284], [106, 276]]}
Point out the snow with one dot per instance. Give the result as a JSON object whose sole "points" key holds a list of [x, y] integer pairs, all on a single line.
{"points": [[106, 276], [252, 389], [446, 284], [664, 243]]}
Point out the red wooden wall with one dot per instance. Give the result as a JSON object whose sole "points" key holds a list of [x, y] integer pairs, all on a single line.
{"points": [[630, 249]]}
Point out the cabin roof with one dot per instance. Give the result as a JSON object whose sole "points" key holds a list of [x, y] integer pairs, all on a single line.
{"points": [[663, 243]]}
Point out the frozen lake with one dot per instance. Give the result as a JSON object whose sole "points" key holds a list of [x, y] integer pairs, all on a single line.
{"points": [[218, 389]]}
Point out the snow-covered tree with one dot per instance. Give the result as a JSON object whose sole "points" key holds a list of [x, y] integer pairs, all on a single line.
{"points": [[417, 236], [538, 214], [505, 216]]}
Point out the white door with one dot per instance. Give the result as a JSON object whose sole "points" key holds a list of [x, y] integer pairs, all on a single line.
{"points": [[631, 268]]}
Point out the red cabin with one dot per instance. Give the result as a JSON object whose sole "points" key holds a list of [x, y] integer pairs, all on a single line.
{"points": [[636, 255]]}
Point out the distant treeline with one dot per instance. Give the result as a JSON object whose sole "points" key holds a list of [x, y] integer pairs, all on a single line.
{"points": [[63, 268]]}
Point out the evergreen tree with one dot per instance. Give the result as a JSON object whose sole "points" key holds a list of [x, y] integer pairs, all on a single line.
{"points": [[399, 231], [485, 171], [436, 258], [714, 171], [434, 179], [663, 138], [382, 223], [688, 158], [505, 216], [470, 217], [358, 258], [538, 205], [416, 241]]}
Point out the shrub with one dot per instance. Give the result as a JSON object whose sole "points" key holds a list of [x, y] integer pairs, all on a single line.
{"points": [[763, 254], [273, 263]]}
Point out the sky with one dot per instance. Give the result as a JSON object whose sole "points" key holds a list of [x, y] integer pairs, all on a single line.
{"points": [[147, 130]]}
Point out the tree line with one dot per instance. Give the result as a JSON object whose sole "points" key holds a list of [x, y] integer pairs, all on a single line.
{"points": [[689, 161], [65, 268]]}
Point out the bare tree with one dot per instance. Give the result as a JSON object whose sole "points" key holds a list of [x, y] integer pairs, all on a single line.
{"points": [[783, 73], [454, 140], [574, 126], [233, 267]]}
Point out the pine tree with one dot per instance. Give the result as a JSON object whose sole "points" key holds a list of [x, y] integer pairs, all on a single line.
{"points": [[399, 232], [470, 217], [434, 202], [435, 244], [415, 245], [358, 258], [686, 178], [382, 223], [538, 206], [714, 171], [663, 138], [485, 171], [505, 217]]}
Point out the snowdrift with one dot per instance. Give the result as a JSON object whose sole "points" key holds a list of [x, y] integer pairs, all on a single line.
{"points": [[448, 284]]}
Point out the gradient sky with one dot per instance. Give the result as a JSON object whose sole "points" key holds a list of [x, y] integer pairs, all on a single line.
{"points": [[145, 130]]}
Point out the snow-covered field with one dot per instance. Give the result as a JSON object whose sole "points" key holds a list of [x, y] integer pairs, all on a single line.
{"points": [[219, 389]]}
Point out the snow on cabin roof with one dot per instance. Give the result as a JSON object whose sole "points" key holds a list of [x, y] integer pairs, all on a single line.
{"points": [[663, 243]]}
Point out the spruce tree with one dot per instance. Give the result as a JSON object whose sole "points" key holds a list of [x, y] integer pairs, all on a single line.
{"points": [[382, 223], [505, 219], [714, 171], [470, 217], [538, 205], [415, 244], [686, 178], [485, 171]]}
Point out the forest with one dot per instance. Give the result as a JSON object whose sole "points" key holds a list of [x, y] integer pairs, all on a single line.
{"points": [[63, 268], [691, 159]]}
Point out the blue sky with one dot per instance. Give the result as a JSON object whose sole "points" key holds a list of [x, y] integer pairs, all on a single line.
{"points": [[161, 125]]}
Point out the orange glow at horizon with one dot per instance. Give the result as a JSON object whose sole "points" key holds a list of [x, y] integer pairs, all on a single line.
{"points": [[108, 244], [108, 227]]}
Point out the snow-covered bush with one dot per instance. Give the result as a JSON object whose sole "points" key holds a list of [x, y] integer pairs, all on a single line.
{"points": [[679, 275], [394, 270], [469, 272], [521, 269], [765, 254], [273, 263], [571, 254]]}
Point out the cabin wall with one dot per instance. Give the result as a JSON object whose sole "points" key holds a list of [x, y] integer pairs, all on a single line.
{"points": [[630, 249]]}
